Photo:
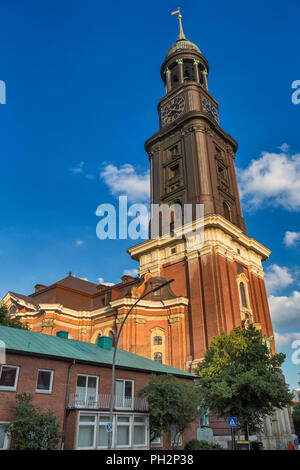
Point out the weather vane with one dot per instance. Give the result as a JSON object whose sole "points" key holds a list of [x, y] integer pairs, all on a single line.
{"points": [[177, 11]]}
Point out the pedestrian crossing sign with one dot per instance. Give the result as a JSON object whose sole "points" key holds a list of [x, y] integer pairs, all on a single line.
{"points": [[232, 422]]}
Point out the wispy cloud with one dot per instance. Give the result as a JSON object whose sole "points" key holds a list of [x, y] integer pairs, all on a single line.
{"points": [[291, 238], [126, 181], [79, 242], [78, 168], [273, 179], [277, 278]]}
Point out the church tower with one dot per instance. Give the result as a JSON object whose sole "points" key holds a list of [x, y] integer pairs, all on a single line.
{"points": [[192, 161]]}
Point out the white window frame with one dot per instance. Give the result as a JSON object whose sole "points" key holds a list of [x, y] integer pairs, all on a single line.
{"points": [[86, 389], [49, 391], [130, 431], [113, 430], [132, 395], [6, 438], [87, 424], [141, 425], [14, 388]]}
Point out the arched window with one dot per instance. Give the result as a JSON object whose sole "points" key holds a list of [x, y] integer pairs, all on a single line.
{"points": [[243, 294], [157, 340], [158, 357], [13, 309], [226, 211]]}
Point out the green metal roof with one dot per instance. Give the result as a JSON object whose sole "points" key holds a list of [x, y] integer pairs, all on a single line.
{"points": [[38, 343]]}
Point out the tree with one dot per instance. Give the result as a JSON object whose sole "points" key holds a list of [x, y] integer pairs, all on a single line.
{"points": [[31, 429], [7, 320], [171, 403], [239, 377]]}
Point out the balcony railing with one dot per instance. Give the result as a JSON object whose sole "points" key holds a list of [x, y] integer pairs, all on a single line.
{"points": [[102, 402]]}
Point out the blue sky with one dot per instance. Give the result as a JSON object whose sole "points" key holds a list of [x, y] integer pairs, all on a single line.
{"points": [[82, 82]]}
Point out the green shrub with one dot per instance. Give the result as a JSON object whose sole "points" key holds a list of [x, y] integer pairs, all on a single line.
{"points": [[194, 444]]}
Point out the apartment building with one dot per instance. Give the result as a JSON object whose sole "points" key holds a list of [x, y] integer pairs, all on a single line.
{"points": [[73, 379]]}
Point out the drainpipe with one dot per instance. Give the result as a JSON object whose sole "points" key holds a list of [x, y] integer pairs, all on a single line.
{"points": [[66, 403]]}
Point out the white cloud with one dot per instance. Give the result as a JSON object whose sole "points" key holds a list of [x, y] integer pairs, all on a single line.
{"points": [[126, 181], [101, 281], [79, 242], [90, 176], [285, 310], [84, 278], [291, 238], [131, 272], [277, 278], [272, 179], [285, 339]]}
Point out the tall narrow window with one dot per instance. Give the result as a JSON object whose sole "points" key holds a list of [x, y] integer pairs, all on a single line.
{"points": [[123, 431], [140, 431], [226, 210], [124, 394], [86, 391], [243, 294], [86, 432]]}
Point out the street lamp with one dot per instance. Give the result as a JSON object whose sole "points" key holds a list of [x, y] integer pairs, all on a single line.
{"points": [[115, 352]]}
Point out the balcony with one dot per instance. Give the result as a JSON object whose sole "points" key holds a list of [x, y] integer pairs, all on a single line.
{"points": [[102, 402]]}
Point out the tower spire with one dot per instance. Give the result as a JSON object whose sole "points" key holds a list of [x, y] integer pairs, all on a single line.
{"points": [[181, 33]]}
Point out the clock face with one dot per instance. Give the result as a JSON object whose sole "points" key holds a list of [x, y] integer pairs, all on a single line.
{"points": [[210, 109], [172, 110]]}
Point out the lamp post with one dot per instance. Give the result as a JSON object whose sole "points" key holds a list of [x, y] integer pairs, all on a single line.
{"points": [[115, 353]]}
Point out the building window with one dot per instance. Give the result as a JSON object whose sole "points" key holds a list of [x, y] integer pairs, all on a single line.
{"points": [[124, 394], [240, 269], [4, 440], [174, 151], [158, 357], [243, 294], [86, 432], [103, 435], [140, 431], [157, 441], [176, 437], [86, 391], [226, 211], [44, 381], [157, 340], [13, 309], [9, 378], [123, 431]]}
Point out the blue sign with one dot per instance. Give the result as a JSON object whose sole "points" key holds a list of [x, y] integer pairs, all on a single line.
{"points": [[109, 427], [232, 422]]}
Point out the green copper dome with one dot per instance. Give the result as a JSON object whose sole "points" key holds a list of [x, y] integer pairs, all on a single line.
{"points": [[183, 45]]}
